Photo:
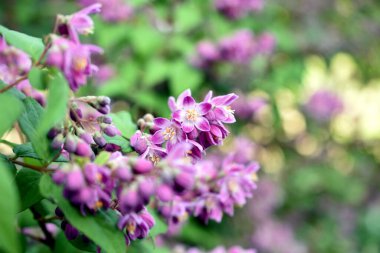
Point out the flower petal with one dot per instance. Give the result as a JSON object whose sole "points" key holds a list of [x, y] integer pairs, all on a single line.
{"points": [[158, 137], [187, 126], [188, 102], [161, 122], [225, 100], [203, 108], [202, 124]]}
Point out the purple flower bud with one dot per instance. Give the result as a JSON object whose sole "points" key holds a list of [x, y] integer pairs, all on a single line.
{"points": [[57, 142], [146, 190], [123, 173], [76, 114], [91, 172], [83, 149], [104, 101], [59, 177], [164, 193], [139, 142], [75, 180], [59, 212], [130, 201], [71, 232], [104, 109], [105, 119], [148, 218], [183, 181], [99, 139], [142, 166], [111, 130], [87, 138], [53, 132], [70, 143]]}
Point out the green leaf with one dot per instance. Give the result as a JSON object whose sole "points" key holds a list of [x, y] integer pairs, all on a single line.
{"points": [[187, 16], [27, 150], [29, 121], [100, 228], [28, 186], [38, 77], [156, 71], [9, 241], [120, 141], [10, 166], [102, 158], [11, 109], [184, 77], [62, 245], [160, 227], [56, 105], [30, 45], [123, 121]]}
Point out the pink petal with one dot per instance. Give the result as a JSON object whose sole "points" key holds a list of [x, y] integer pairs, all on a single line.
{"points": [[208, 96], [172, 104], [187, 126], [225, 100], [158, 137], [161, 122], [204, 108], [220, 113], [177, 115], [202, 124], [188, 102]]}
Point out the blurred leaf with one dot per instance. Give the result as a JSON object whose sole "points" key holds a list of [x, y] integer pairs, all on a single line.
{"points": [[11, 110], [100, 228], [10, 166], [27, 181], [187, 16], [31, 45], [123, 121], [102, 158], [156, 71], [146, 41], [62, 245], [183, 77], [160, 227], [9, 242], [38, 77], [120, 141]]}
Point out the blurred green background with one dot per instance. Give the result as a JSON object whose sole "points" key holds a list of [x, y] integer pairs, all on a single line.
{"points": [[319, 184]]}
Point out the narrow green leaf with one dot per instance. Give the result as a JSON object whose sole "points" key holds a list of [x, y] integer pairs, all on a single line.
{"points": [[9, 241], [10, 166], [28, 186], [38, 77], [10, 111], [30, 45], [123, 121], [100, 228], [120, 141]]}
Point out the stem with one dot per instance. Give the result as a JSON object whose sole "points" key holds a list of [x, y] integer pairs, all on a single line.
{"points": [[49, 219], [13, 84], [49, 239], [30, 166], [10, 144]]}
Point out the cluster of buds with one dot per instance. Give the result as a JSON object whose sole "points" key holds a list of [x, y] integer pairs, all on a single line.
{"points": [[85, 130], [66, 51], [235, 9], [234, 249], [239, 48], [112, 10], [15, 64]]}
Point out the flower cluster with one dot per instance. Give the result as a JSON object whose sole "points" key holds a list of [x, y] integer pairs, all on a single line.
{"points": [[14, 65], [235, 9], [239, 48], [247, 106], [66, 51], [112, 10], [323, 105], [87, 127]]}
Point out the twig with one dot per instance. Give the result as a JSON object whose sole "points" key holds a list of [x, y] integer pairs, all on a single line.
{"points": [[49, 239], [30, 166], [13, 84]]}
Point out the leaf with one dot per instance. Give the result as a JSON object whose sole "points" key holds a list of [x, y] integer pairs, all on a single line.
{"points": [[160, 227], [123, 121], [29, 121], [27, 150], [102, 158], [56, 105], [120, 141], [28, 186], [156, 71], [187, 16], [98, 228], [30, 45], [62, 245], [9, 241], [38, 77], [184, 77], [10, 166], [11, 109]]}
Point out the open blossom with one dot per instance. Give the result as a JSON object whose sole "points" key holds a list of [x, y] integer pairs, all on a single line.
{"points": [[168, 131], [112, 10], [73, 59], [193, 115]]}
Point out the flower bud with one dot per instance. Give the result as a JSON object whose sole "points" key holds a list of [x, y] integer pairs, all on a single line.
{"points": [[139, 143], [130, 201], [142, 166], [70, 143], [59, 177], [164, 193], [148, 117], [111, 130], [123, 173], [105, 119], [146, 190], [71, 232], [183, 181], [99, 139], [59, 212], [103, 100], [83, 149], [57, 142], [75, 180], [104, 109], [53, 132], [90, 172]]}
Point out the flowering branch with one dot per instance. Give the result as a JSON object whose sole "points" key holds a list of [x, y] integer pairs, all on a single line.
{"points": [[30, 166]]}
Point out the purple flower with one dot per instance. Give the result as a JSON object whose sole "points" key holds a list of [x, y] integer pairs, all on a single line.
{"points": [[143, 145], [323, 105], [235, 9], [136, 225], [192, 115], [238, 48], [112, 10], [174, 104], [167, 131], [221, 107], [209, 207], [73, 59]]}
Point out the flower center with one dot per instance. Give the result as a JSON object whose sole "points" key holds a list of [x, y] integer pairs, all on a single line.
{"points": [[191, 114], [169, 133], [131, 227], [80, 63], [229, 109], [154, 159], [233, 186]]}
